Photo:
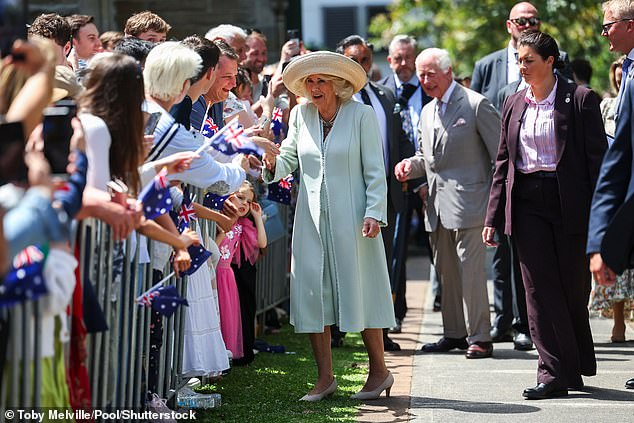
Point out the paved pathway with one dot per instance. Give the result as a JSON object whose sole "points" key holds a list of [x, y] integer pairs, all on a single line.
{"points": [[450, 388]]}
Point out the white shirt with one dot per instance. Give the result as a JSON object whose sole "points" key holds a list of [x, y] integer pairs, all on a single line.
{"points": [[415, 102], [512, 67], [380, 115]]}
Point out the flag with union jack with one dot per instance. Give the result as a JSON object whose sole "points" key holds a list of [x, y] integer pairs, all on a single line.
{"points": [[25, 280], [281, 191], [155, 196], [163, 299], [209, 127], [233, 140], [276, 121], [186, 214]]}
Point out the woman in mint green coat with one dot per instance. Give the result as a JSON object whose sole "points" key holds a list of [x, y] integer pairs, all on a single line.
{"points": [[338, 271]]}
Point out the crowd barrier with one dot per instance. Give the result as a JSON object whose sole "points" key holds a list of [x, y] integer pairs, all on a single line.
{"points": [[118, 358]]}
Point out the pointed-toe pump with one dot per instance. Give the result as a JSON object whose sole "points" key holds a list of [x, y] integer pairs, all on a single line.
{"points": [[323, 394], [370, 395]]}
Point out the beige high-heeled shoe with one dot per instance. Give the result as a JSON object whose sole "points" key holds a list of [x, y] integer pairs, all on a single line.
{"points": [[370, 395], [323, 394]]}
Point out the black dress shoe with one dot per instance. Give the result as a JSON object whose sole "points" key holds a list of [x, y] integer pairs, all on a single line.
{"points": [[397, 327], [545, 391], [522, 342], [389, 345], [446, 344], [630, 384], [437, 303], [498, 335]]}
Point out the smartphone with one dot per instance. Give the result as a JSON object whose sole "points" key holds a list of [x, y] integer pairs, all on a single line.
{"points": [[293, 35], [12, 24], [152, 121], [57, 132], [266, 80], [12, 165]]}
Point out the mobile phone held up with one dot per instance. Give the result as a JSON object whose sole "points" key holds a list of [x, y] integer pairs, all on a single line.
{"points": [[12, 166], [57, 132], [12, 24], [151, 123], [293, 35]]}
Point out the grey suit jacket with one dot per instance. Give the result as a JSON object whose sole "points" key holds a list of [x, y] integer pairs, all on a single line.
{"points": [[458, 161]]}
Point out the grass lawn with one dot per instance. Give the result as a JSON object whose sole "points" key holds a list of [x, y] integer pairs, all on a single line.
{"points": [[269, 388]]}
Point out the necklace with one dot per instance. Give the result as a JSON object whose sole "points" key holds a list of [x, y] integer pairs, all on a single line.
{"points": [[330, 122]]}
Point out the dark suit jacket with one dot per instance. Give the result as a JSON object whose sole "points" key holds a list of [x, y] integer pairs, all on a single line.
{"points": [[615, 186], [390, 83], [580, 143], [489, 74], [400, 147]]}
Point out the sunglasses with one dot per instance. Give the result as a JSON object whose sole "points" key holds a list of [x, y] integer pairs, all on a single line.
{"points": [[606, 27], [532, 21]]}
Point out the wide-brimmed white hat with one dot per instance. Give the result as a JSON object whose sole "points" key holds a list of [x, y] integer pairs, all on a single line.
{"points": [[323, 62]]}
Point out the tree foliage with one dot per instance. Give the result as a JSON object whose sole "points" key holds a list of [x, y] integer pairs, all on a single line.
{"points": [[471, 29]]}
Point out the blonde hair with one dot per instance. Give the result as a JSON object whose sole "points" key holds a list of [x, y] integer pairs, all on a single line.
{"points": [[167, 67], [343, 88], [621, 9]]}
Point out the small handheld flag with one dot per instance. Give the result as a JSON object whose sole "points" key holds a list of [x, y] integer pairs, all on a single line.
{"points": [[155, 196], [281, 191]]}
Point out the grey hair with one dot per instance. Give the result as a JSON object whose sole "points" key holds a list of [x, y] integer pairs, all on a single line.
{"points": [[440, 56], [621, 9], [226, 32], [401, 39], [343, 88]]}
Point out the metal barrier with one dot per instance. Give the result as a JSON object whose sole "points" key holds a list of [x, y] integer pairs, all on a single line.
{"points": [[118, 359]]}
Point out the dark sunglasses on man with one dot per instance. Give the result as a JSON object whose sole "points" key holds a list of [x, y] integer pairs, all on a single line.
{"points": [[532, 21]]}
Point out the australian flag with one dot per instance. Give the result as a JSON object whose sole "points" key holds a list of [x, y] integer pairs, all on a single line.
{"points": [[25, 279], [214, 201], [186, 214], [199, 256], [163, 299], [281, 191], [233, 140], [209, 127], [276, 121], [156, 196]]}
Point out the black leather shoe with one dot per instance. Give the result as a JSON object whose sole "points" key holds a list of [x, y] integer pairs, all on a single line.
{"points": [[630, 384], [545, 391], [397, 327], [389, 345], [336, 342], [498, 335], [446, 344], [437, 303], [522, 342]]}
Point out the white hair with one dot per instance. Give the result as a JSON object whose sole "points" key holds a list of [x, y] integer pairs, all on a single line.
{"points": [[440, 56], [226, 32], [167, 67], [401, 39], [621, 9]]}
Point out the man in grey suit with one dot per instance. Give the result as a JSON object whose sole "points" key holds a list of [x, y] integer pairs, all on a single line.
{"points": [[458, 136]]}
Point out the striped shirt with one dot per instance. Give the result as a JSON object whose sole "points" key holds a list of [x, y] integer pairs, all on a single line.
{"points": [[537, 147]]}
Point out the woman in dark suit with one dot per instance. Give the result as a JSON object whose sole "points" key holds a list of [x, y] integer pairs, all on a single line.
{"points": [[551, 145]]}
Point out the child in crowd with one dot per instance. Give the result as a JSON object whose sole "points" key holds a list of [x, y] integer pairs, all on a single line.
{"points": [[244, 239]]}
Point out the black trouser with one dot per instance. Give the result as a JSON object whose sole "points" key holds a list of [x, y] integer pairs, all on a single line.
{"points": [[245, 280]]}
